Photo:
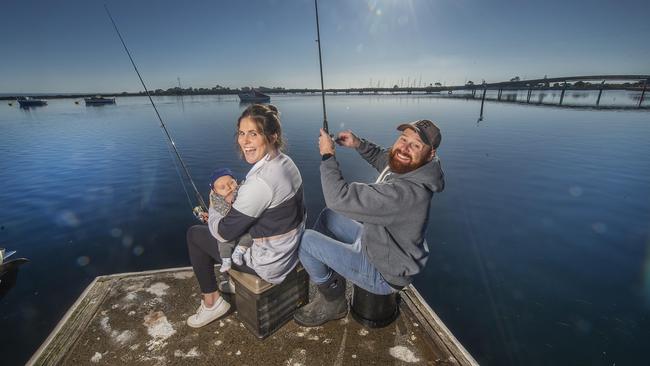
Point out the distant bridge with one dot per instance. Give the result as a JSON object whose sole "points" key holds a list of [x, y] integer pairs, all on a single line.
{"points": [[557, 83]]}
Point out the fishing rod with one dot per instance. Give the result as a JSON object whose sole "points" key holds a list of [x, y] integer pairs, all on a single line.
{"points": [[320, 62], [202, 208]]}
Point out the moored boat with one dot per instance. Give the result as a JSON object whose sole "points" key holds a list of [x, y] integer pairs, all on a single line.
{"points": [[27, 102], [8, 265], [253, 95], [99, 100]]}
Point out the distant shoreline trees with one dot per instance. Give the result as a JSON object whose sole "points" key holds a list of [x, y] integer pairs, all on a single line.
{"points": [[216, 90], [223, 90]]}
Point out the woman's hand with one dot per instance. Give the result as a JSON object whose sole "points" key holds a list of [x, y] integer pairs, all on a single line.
{"points": [[203, 217], [200, 214], [348, 139], [325, 143]]}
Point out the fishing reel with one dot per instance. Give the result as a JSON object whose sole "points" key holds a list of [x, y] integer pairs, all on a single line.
{"points": [[200, 214]]}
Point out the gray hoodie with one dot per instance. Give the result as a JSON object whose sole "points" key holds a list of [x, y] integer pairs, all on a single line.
{"points": [[394, 212]]}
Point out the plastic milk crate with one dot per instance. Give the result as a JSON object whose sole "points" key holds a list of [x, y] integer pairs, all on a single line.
{"points": [[264, 307]]}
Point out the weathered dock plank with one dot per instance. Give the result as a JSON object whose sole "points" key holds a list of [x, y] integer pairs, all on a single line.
{"points": [[139, 319]]}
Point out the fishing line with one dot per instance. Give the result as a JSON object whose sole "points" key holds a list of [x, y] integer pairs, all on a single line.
{"points": [[202, 206], [180, 176]]}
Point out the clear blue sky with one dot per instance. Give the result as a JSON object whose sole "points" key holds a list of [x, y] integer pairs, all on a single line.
{"points": [[70, 46]]}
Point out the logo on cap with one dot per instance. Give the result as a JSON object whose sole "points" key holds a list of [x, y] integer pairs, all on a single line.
{"points": [[427, 130]]}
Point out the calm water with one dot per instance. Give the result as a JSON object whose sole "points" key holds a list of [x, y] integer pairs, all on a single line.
{"points": [[540, 245]]}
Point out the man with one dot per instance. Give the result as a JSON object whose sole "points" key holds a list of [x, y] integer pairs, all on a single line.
{"points": [[371, 234]]}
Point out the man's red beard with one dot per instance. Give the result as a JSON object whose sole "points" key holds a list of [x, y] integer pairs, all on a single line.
{"points": [[399, 167]]}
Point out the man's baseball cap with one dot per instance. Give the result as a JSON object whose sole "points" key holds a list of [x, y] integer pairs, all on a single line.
{"points": [[428, 131]]}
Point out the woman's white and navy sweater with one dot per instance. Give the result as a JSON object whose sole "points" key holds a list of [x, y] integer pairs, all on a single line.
{"points": [[270, 207]]}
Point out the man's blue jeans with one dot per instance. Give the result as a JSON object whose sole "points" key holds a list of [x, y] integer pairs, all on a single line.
{"points": [[335, 245]]}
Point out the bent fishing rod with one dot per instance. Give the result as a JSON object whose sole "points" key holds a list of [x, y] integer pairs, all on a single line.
{"points": [[320, 62], [202, 208]]}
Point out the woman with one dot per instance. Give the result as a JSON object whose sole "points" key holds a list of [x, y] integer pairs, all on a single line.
{"points": [[269, 206]]}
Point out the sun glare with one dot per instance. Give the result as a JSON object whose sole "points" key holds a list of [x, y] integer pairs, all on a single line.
{"points": [[390, 13]]}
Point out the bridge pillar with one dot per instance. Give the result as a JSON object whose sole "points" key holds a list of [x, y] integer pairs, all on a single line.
{"points": [[499, 94], [530, 92]]}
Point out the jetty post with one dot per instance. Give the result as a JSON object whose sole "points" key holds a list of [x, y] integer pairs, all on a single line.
{"points": [[563, 91], [482, 102], [645, 86], [600, 92]]}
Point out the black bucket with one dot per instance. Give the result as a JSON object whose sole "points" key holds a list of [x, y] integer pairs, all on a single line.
{"points": [[372, 310]]}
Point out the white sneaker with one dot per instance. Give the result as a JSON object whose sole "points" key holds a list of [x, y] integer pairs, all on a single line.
{"points": [[226, 264], [237, 255], [205, 315]]}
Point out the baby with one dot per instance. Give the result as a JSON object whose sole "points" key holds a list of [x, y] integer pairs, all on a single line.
{"points": [[223, 192]]}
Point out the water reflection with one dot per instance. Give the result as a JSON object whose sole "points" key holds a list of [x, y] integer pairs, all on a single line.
{"points": [[613, 99], [538, 244]]}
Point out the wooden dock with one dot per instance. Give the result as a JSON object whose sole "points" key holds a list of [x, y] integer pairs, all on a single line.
{"points": [[139, 319]]}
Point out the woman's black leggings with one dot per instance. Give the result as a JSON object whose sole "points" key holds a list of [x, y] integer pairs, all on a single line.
{"points": [[204, 254]]}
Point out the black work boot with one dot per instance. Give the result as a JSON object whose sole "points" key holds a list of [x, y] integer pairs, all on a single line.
{"points": [[329, 304]]}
